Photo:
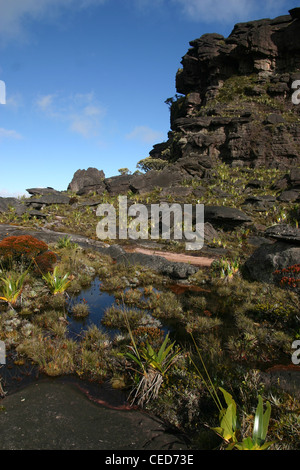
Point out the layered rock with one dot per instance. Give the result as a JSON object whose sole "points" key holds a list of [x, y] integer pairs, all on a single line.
{"points": [[237, 98]]}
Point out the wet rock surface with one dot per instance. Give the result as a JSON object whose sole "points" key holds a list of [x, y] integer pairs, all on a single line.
{"points": [[58, 415]]}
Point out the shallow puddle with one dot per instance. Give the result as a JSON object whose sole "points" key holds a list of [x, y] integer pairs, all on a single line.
{"points": [[97, 300]]}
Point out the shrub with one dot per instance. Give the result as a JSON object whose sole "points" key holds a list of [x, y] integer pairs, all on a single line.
{"points": [[149, 163], [288, 277], [45, 261], [26, 250]]}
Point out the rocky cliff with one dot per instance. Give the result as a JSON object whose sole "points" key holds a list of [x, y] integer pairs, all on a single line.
{"points": [[236, 99]]}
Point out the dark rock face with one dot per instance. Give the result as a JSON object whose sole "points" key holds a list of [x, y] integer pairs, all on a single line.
{"points": [[226, 217], [237, 98], [62, 415], [285, 233], [47, 200], [142, 184], [87, 181], [42, 191], [268, 258], [282, 252]]}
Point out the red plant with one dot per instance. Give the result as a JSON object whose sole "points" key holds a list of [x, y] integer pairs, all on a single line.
{"points": [[45, 261], [26, 249], [288, 277]]}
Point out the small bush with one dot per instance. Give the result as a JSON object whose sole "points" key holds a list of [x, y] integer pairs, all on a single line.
{"points": [[288, 277], [26, 250]]}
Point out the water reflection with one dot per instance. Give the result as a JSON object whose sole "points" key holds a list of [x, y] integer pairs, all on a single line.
{"points": [[97, 300]]}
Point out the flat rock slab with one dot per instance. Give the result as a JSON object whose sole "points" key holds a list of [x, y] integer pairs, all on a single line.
{"points": [[50, 415]]}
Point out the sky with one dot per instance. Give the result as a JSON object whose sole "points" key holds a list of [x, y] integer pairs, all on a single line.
{"points": [[86, 80]]}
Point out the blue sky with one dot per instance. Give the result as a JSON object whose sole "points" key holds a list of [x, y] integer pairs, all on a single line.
{"points": [[86, 80]]}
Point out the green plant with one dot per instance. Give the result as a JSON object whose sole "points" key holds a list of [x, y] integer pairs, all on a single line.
{"points": [[56, 282], [152, 367], [149, 163], [12, 286], [225, 269], [229, 429], [66, 242], [124, 171]]}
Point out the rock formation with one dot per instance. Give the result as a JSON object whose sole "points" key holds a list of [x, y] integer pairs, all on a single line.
{"points": [[86, 181], [236, 105]]}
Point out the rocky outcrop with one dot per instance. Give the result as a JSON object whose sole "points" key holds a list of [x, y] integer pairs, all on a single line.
{"points": [[47, 200], [284, 232], [87, 181], [11, 203], [289, 185], [237, 98], [281, 252], [268, 258], [225, 217], [42, 191]]}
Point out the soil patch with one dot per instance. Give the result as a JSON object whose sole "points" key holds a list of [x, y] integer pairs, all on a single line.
{"points": [[174, 257]]}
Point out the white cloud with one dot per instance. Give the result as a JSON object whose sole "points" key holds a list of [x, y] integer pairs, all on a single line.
{"points": [[7, 193], [9, 134], [144, 134], [80, 112], [44, 103], [14, 102], [228, 11], [16, 13]]}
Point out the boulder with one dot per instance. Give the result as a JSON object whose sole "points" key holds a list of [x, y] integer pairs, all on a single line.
{"points": [[225, 217], [260, 203], [117, 184], [157, 263], [289, 182], [268, 258], [143, 184], [284, 232], [291, 195], [177, 192], [7, 203], [87, 181]]}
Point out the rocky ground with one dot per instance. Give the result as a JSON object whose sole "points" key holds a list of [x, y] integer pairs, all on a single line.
{"points": [[58, 415]]}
